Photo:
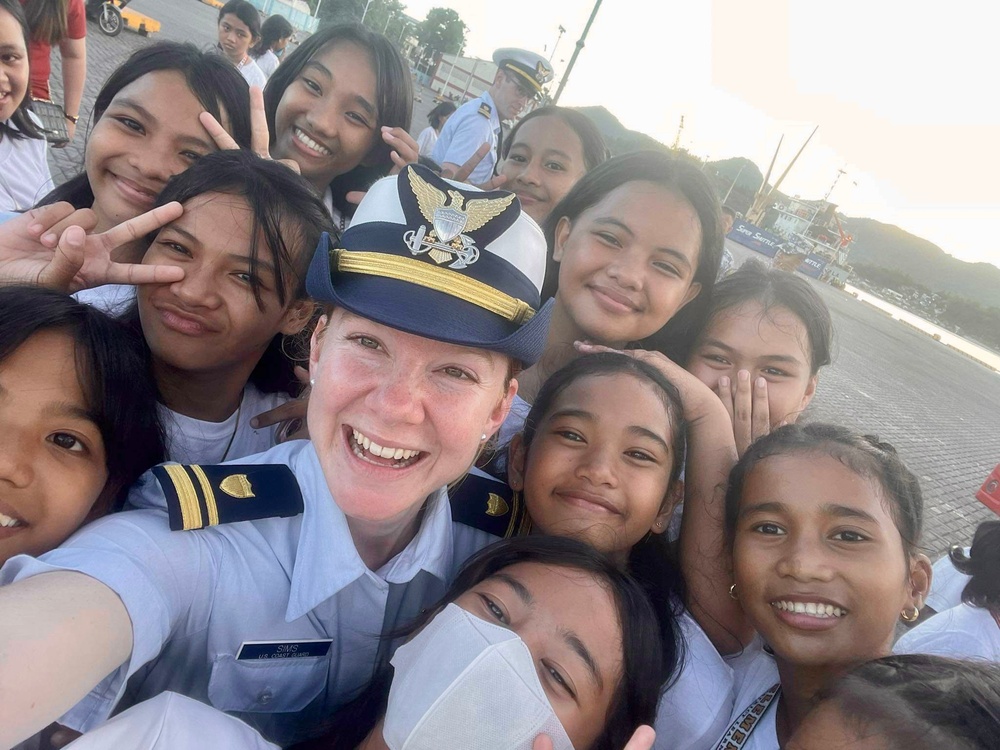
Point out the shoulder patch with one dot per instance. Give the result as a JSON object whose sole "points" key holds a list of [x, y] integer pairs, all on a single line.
{"points": [[201, 496], [489, 505], [485, 110]]}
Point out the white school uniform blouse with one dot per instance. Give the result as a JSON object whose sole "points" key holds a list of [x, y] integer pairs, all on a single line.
{"points": [[196, 441], [962, 632], [194, 597], [755, 672], [24, 171], [172, 722]]}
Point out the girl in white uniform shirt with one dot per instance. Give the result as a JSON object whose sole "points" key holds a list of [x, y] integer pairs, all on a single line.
{"points": [[239, 30], [274, 35], [412, 372], [25, 176], [600, 459], [339, 106], [970, 630], [823, 527]]}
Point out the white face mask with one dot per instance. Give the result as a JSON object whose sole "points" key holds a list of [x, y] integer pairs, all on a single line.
{"points": [[462, 682]]}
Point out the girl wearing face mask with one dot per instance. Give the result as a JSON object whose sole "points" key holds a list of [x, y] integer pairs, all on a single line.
{"points": [[339, 106], [766, 337], [823, 526], [345, 535], [22, 147], [637, 240], [77, 427], [545, 629]]}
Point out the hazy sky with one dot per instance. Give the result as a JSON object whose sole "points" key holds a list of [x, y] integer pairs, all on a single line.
{"points": [[904, 93]]}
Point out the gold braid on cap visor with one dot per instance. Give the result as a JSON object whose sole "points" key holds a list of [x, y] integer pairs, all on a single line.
{"points": [[439, 279], [534, 84]]}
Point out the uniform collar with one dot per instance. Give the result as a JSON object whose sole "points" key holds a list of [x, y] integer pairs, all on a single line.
{"points": [[326, 560]]}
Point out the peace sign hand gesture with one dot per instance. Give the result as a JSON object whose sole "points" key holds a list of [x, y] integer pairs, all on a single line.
{"points": [[78, 260], [260, 137]]}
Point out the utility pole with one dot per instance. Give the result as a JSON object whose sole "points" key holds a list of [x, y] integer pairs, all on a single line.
{"points": [[576, 52], [677, 138]]}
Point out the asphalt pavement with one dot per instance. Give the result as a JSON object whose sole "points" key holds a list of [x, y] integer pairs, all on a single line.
{"points": [[939, 408]]}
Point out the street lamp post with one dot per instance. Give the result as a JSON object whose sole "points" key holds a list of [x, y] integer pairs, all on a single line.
{"points": [[576, 52], [561, 32], [365, 12]]}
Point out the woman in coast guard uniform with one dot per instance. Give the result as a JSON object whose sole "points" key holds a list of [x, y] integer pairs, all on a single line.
{"points": [[261, 587]]}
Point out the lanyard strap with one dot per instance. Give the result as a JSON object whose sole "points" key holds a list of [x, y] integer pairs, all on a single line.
{"points": [[741, 729]]}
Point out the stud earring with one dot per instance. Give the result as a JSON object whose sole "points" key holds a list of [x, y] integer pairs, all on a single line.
{"points": [[483, 438], [910, 614], [732, 593], [312, 382]]}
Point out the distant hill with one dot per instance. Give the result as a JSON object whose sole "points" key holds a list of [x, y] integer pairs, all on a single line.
{"points": [[888, 246], [875, 243]]}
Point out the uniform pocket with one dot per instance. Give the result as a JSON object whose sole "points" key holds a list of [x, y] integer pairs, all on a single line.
{"points": [[266, 685]]}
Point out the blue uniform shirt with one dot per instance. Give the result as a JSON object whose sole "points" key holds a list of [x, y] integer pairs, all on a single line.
{"points": [[196, 597], [465, 131]]}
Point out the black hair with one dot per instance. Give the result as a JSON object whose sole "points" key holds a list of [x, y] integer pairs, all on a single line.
{"points": [[638, 689], [680, 176], [865, 455], [288, 220], [274, 29], [245, 12], [393, 99], [108, 357], [213, 80], [982, 564], [23, 126], [441, 111], [922, 702], [773, 289], [595, 150], [729, 211], [651, 560]]}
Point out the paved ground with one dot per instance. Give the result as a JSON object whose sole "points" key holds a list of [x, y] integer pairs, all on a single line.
{"points": [[940, 409]]}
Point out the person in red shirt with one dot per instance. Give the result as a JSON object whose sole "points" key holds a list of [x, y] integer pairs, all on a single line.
{"points": [[62, 23]]}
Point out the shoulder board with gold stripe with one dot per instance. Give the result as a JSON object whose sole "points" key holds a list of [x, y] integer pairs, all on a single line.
{"points": [[489, 505], [485, 110], [201, 496]]}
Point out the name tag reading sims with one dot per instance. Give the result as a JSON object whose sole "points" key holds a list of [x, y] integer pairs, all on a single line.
{"points": [[253, 650]]}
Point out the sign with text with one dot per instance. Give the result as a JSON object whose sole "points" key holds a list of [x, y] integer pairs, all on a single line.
{"points": [[813, 266], [755, 238]]}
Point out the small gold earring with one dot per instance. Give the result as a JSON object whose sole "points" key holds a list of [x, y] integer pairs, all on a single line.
{"points": [[910, 614], [732, 593]]}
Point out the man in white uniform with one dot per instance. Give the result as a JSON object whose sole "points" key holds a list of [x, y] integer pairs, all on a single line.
{"points": [[520, 77]]}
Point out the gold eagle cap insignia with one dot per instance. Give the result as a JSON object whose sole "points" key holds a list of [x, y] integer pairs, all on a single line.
{"points": [[478, 211], [496, 505], [238, 486]]}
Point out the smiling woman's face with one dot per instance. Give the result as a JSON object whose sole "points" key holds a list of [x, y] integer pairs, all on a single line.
{"points": [[568, 621]]}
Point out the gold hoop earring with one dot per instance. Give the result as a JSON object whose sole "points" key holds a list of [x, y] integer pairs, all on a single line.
{"points": [[911, 614], [732, 593]]}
